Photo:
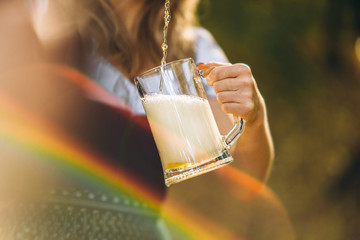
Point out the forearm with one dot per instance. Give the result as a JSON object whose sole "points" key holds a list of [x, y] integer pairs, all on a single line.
{"points": [[254, 151], [237, 94]]}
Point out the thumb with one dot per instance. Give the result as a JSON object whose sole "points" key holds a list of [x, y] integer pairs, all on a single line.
{"points": [[206, 68]]}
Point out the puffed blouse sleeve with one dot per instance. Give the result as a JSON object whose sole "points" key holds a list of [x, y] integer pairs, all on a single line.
{"points": [[208, 50]]}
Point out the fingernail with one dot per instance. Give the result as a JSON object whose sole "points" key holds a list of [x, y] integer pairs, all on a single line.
{"points": [[211, 68]]}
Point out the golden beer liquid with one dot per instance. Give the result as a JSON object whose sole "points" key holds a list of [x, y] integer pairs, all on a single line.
{"points": [[164, 45], [177, 165], [167, 18]]}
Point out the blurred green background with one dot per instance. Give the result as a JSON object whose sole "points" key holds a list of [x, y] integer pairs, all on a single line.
{"points": [[303, 56]]}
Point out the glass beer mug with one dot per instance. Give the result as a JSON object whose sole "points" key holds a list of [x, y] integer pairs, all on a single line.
{"points": [[182, 123]]}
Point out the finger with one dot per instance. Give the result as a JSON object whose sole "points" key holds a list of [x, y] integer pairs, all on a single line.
{"points": [[228, 84], [205, 71], [242, 83], [206, 68], [232, 71], [239, 109], [230, 96], [211, 64]]}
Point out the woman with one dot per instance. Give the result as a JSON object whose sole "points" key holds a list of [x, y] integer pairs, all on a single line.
{"points": [[124, 38], [128, 36], [113, 41]]}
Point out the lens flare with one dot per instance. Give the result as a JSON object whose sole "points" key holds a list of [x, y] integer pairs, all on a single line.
{"points": [[26, 130]]}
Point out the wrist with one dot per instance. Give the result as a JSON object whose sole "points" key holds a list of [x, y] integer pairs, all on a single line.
{"points": [[259, 116]]}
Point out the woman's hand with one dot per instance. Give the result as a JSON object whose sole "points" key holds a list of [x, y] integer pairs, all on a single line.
{"points": [[238, 94], [236, 90]]}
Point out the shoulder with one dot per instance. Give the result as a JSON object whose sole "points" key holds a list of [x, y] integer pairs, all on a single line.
{"points": [[206, 47], [203, 34]]}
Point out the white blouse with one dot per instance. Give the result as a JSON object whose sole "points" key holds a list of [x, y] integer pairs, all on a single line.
{"points": [[108, 76]]}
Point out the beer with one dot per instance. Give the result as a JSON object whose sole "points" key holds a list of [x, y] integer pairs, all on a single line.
{"points": [[184, 130], [164, 45]]}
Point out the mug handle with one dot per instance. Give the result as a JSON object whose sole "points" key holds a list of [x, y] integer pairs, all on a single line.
{"points": [[236, 131]]}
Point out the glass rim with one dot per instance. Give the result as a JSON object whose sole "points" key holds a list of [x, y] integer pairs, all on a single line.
{"points": [[164, 66]]}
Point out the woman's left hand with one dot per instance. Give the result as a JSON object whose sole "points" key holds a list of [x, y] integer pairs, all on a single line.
{"points": [[236, 90]]}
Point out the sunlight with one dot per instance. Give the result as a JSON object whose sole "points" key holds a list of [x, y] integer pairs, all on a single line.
{"points": [[357, 48]]}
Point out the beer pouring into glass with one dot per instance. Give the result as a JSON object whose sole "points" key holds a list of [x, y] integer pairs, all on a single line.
{"points": [[180, 117], [183, 126]]}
